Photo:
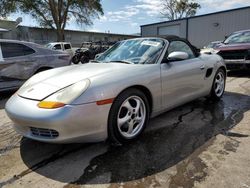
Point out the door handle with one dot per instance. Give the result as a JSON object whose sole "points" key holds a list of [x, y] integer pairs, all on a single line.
{"points": [[202, 67]]}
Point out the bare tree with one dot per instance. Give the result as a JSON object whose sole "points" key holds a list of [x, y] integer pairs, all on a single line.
{"points": [[176, 9]]}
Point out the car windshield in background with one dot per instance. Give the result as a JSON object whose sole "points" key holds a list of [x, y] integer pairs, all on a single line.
{"points": [[135, 51], [242, 37]]}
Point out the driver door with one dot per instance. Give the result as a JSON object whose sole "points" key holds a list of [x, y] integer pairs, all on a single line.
{"points": [[184, 80]]}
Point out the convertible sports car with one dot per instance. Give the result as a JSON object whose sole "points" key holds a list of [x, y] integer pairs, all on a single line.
{"points": [[115, 95]]}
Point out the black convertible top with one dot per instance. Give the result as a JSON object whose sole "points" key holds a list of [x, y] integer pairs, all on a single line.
{"points": [[174, 38], [169, 37]]}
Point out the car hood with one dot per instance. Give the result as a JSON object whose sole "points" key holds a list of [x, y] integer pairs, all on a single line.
{"points": [[46, 83], [228, 47]]}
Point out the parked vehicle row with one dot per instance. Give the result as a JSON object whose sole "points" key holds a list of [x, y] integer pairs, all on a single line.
{"points": [[88, 51], [84, 54]]}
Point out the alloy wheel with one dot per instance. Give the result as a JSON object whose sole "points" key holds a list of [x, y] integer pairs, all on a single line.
{"points": [[219, 84], [131, 117]]}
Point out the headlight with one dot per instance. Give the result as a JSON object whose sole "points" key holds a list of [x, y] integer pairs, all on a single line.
{"points": [[65, 95]]}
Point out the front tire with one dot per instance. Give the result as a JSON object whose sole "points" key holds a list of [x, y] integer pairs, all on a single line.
{"points": [[75, 59], [219, 84], [128, 116], [84, 59]]}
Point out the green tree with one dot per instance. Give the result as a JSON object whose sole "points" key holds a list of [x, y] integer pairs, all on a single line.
{"points": [[176, 9], [55, 14]]}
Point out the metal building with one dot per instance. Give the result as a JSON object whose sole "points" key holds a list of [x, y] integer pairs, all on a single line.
{"points": [[10, 30], [202, 29]]}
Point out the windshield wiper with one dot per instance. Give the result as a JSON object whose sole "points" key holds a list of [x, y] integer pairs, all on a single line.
{"points": [[122, 61]]}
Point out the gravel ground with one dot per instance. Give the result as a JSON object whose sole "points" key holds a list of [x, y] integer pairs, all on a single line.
{"points": [[200, 144]]}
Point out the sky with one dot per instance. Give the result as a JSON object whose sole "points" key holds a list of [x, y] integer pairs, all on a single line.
{"points": [[126, 16]]}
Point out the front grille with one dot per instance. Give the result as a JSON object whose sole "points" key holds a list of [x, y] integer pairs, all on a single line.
{"points": [[45, 133], [234, 54]]}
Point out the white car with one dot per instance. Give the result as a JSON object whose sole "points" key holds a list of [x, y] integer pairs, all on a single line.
{"points": [[61, 46]]}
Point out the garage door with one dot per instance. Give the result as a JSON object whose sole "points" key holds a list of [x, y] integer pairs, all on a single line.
{"points": [[169, 30]]}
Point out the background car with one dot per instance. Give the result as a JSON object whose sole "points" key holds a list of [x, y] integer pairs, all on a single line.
{"points": [[212, 45], [61, 46], [115, 95], [235, 50], [20, 60]]}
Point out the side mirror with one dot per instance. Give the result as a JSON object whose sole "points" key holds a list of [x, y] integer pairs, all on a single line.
{"points": [[177, 56], [54, 48]]}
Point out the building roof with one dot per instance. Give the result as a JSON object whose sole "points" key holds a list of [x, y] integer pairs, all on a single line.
{"points": [[214, 13], [83, 31]]}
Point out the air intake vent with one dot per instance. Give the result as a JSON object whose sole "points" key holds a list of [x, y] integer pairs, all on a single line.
{"points": [[44, 133]]}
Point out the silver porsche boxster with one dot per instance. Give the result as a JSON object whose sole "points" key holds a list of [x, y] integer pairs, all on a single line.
{"points": [[115, 95]]}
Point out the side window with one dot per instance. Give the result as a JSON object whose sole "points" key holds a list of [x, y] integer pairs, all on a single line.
{"points": [[27, 50], [58, 47], [67, 46], [180, 46], [15, 50]]}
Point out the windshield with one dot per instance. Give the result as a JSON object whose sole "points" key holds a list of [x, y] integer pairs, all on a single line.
{"points": [[136, 51], [242, 37]]}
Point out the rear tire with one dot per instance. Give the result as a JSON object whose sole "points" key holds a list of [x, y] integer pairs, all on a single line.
{"points": [[128, 117], [218, 87]]}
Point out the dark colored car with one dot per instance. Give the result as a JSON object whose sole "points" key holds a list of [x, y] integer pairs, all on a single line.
{"points": [[20, 60], [235, 50]]}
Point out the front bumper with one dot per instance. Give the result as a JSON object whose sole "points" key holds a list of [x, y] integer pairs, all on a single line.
{"points": [[237, 64], [73, 123]]}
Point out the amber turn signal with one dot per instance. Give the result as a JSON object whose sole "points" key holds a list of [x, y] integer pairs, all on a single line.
{"points": [[50, 104], [106, 101]]}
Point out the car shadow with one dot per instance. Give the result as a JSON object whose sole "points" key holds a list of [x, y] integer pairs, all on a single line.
{"points": [[168, 139], [4, 96]]}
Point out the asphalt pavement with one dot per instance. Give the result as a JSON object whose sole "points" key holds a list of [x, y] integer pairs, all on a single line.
{"points": [[199, 144]]}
